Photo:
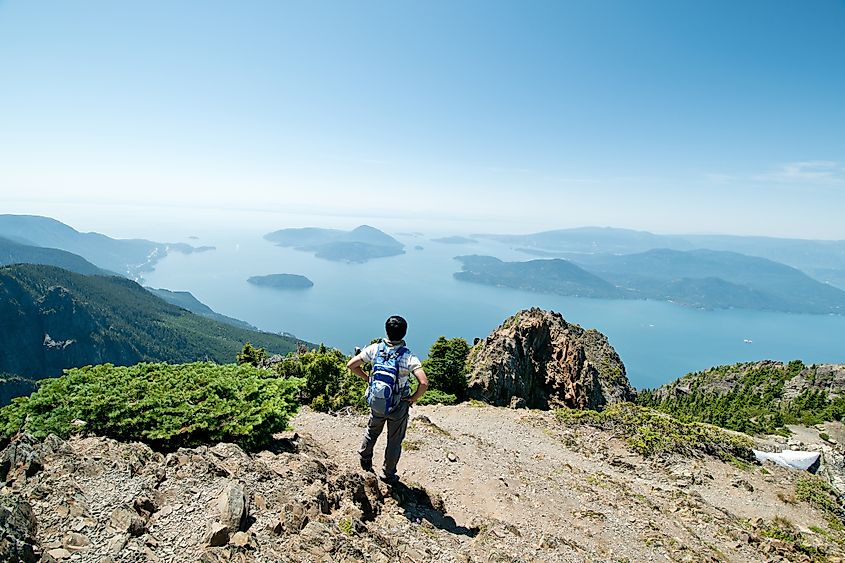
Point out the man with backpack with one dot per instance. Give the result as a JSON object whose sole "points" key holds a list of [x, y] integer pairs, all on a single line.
{"points": [[388, 393]]}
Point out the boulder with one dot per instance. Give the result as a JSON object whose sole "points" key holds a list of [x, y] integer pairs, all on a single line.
{"points": [[217, 535], [74, 541], [17, 530], [232, 505], [537, 359], [126, 520], [20, 458]]}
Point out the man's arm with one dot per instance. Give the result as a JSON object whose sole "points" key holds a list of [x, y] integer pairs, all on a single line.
{"points": [[419, 373], [356, 364]]}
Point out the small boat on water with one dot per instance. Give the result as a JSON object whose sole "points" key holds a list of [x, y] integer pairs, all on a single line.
{"points": [[747, 340]]}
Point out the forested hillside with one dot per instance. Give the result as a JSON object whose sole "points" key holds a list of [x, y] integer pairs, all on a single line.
{"points": [[54, 319], [759, 397]]}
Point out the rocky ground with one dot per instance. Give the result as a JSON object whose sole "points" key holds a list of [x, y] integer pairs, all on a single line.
{"points": [[479, 483]]}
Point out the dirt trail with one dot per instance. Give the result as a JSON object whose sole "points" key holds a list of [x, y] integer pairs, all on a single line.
{"points": [[552, 492]]}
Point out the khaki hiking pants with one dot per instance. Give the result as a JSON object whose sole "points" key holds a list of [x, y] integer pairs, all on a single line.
{"points": [[397, 424]]}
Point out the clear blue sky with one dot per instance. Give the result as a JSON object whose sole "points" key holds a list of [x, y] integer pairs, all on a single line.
{"points": [[671, 116]]}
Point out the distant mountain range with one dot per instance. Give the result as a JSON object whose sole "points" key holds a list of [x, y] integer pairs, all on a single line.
{"points": [[455, 240], [54, 319], [821, 259], [12, 252], [129, 257], [358, 245], [592, 240], [20, 250], [697, 278]]}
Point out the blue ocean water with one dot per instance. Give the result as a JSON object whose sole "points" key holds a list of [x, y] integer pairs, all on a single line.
{"points": [[349, 302]]}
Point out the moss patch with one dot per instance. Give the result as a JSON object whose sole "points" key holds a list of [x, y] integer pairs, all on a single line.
{"points": [[819, 493], [651, 433]]}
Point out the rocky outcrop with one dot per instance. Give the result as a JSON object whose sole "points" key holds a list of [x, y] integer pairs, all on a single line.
{"points": [[17, 530], [538, 360], [756, 377], [829, 378]]}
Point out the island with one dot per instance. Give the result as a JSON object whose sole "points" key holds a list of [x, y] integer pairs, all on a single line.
{"points": [[700, 279], [356, 246], [281, 281], [544, 276]]}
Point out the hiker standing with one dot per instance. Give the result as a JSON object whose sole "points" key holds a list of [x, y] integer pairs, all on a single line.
{"points": [[388, 393]]}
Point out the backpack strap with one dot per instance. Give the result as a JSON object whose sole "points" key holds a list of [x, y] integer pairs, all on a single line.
{"points": [[401, 352], [381, 351]]}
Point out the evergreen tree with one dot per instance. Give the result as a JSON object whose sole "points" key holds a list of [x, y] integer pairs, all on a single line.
{"points": [[251, 355], [446, 366]]}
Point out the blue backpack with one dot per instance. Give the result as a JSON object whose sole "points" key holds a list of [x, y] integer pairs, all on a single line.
{"points": [[385, 392]]}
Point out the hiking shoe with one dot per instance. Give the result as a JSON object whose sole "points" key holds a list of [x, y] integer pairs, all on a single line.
{"points": [[366, 465], [389, 479]]}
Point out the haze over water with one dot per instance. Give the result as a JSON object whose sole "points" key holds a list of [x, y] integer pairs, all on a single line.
{"points": [[349, 302]]}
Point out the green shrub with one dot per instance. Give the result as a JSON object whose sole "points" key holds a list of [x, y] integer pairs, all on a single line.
{"points": [[167, 406], [651, 433], [329, 385], [437, 397]]}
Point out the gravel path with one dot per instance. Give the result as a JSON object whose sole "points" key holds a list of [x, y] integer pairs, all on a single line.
{"points": [[576, 491]]}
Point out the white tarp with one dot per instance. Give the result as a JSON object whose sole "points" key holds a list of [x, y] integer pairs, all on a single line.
{"points": [[789, 458]]}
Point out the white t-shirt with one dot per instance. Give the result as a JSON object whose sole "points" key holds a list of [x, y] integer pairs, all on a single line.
{"points": [[407, 363]]}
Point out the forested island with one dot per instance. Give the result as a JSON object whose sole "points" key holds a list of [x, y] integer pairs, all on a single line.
{"points": [[701, 279], [282, 281], [356, 246]]}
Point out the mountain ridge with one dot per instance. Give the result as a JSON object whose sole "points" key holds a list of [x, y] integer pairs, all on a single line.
{"points": [[822, 259], [14, 252], [186, 300], [129, 257], [56, 319], [478, 482]]}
